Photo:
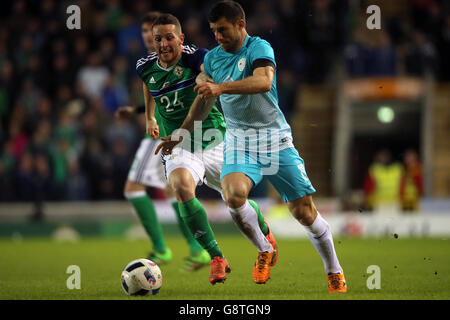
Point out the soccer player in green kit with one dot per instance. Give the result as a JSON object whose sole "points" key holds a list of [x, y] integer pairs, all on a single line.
{"points": [[148, 171], [170, 76]]}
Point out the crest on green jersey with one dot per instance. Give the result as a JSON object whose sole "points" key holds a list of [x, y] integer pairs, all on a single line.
{"points": [[178, 71]]}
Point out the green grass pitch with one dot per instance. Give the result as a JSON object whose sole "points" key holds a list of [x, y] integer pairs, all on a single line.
{"points": [[410, 269]]}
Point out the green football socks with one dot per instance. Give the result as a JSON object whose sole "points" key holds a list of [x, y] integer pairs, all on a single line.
{"points": [[194, 215], [262, 225], [147, 214], [194, 247]]}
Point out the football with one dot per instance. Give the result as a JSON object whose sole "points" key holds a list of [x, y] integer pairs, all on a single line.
{"points": [[141, 277]]}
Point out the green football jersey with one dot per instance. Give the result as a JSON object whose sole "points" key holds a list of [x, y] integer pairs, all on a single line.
{"points": [[173, 91]]}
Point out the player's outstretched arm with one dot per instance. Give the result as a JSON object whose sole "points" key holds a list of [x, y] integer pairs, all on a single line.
{"points": [[201, 107], [152, 128], [260, 81]]}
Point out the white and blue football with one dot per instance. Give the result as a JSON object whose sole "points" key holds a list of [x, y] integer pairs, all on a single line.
{"points": [[141, 277]]}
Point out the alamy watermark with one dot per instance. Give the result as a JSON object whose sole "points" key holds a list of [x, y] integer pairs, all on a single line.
{"points": [[74, 280], [74, 20], [374, 280], [374, 20]]}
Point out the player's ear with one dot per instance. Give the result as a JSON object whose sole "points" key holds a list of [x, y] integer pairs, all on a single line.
{"points": [[182, 38], [241, 23]]}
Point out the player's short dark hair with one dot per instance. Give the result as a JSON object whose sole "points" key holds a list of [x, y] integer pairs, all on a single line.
{"points": [[150, 17], [230, 10], [167, 18]]}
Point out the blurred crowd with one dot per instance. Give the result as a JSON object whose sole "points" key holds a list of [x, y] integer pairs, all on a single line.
{"points": [[59, 88], [413, 42]]}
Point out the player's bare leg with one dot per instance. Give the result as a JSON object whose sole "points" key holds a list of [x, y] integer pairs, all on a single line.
{"points": [[304, 210], [194, 215], [247, 216]]}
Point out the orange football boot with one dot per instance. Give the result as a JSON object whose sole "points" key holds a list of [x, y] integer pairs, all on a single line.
{"points": [[273, 242], [336, 283], [219, 270], [261, 269]]}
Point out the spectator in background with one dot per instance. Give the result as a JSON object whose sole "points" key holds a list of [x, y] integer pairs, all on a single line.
{"points": [[41, 138], [65, 146], [444, 49], [287, 91], [18, 139], [356, 55], [121, 72], [80, 51], [29, 97], [373, 55], [130, 32], [107, 51], [382, 56], [24, 52], [77, 187], [93, 76], [114, 14], [8, 90], [107, 186], [321, 32], [114, 95], [45, 110], [42, 185], [62, 74], [425, 14], [7, 167], [24, 178], [382, 182], [92, 160], [420, 56], [59, 154], [194, 33], [411, 184]]}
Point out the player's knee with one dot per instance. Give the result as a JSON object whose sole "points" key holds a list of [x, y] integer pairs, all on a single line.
{"points": [[183, 193], [235, 197], [235, 189], [182, 184]]}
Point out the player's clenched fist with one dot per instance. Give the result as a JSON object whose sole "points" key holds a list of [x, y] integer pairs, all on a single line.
{"points": [[152, 128], [208, 90]]}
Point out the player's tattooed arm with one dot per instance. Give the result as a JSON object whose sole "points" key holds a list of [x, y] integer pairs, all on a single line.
{"points": [[152, 128], [260, 81], [203, 77], [201, 107]]}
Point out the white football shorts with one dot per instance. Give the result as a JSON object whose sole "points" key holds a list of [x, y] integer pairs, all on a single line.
{"points": [[147, 168], [205, 165]]}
